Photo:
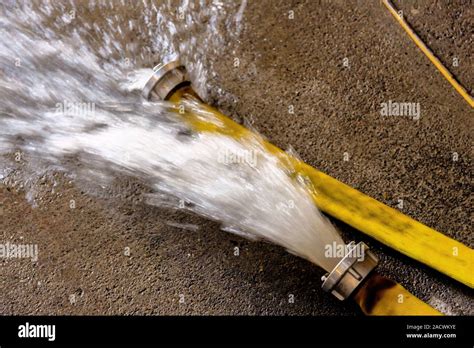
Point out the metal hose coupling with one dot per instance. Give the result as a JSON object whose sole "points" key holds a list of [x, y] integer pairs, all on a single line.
{"points": [[351, 271], [166, 79]]}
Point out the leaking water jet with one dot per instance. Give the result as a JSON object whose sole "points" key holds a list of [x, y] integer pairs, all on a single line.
{"points": [[353, 276]]}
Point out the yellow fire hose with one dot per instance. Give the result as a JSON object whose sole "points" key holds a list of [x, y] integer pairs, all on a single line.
{"points": [[368, 215], [437, 63], [377, 295], [382, 296], [358, 210]]}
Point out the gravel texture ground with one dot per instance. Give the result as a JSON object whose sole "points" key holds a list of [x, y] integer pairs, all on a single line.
{"points": [[83, 267]]}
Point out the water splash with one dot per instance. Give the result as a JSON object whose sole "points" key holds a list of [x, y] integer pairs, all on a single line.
{"points": [[69, 96]]}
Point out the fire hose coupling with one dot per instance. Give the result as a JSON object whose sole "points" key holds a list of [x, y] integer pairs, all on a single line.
{"points": [[350, 272], [165, 80]]}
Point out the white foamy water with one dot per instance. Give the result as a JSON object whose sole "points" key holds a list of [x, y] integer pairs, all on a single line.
{"points": [[65, 95]]}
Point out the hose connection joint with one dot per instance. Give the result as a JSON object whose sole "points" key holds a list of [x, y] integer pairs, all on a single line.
{"points": [[166, 79], [350, 272]]}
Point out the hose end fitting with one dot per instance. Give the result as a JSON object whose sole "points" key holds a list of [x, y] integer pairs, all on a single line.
{"points": [[350, 272], [166, 79]]}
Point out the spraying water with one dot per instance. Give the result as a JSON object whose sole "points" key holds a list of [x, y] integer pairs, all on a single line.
{"points": [[68, 93]]}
